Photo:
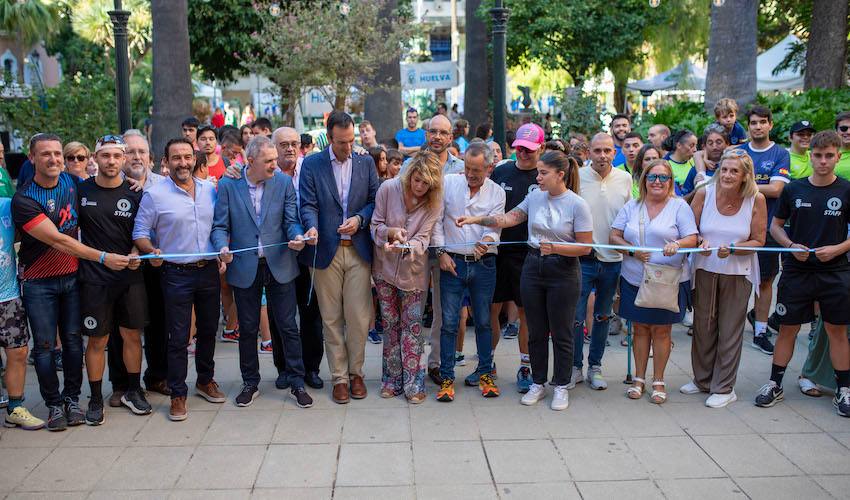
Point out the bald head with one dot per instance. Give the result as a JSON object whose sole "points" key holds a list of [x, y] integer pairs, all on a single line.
{"points": [[441, 121], [439, 134], [286, 141], [602, 152]]}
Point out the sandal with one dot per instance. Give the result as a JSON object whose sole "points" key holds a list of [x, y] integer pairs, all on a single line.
{"points": [[387, 393], [635, 392], [808, 387], [657, 396]]}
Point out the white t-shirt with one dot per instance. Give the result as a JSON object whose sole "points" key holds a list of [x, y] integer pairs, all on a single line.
{"points": [[555, 218], [675, 221]]}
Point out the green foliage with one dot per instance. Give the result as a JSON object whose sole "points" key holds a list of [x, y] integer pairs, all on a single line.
{"points": [[31, 21], [580, 113], [78, 55], [819, 106], [220, 34], [81, 108]]}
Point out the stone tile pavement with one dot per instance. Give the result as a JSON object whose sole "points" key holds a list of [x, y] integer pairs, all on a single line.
{"points": [[603, 446]]}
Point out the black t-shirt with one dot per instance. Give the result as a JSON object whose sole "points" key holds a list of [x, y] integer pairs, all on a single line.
{"points": [[107, 216], [30, 206], [517, 184], [818, 216]]}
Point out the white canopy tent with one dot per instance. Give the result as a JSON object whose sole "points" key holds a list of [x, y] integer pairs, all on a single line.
{"points": [[685, 76], [768, 60]]}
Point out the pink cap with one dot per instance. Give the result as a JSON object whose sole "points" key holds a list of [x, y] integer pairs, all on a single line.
{"points": [[529, 136]]}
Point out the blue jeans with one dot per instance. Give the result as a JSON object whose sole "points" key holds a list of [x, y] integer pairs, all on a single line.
{"points": [[601, 276], [54, 304], [281, 306], [479, 280]]}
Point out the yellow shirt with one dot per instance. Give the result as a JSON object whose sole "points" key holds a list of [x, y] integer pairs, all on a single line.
{"points": [[842, 169], [801, 165]]}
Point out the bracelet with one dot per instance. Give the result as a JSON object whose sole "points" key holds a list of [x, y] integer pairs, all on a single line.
{"points": [[102, 257]]}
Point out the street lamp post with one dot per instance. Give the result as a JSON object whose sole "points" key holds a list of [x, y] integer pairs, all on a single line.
{"points": [[119, 19], [500, 27]]}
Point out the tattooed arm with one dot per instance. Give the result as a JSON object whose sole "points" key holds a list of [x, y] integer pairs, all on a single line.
{"points": [[510, 219]]}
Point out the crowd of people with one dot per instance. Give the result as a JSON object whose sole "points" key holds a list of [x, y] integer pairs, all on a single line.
{"points": [[316, 246]]}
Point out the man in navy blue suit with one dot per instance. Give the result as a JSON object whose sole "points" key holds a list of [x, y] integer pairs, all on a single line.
{"points": [[259, 210], [337, 199]]}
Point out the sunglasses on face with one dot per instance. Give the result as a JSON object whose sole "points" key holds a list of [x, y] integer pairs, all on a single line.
{"points": [[843, 128], [76, 158], [662, 178]]}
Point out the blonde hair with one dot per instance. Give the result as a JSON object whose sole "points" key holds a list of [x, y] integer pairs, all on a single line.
{"points": [[73, 147], [426, 164], [671, 190], [725, 106], [749, 187]]}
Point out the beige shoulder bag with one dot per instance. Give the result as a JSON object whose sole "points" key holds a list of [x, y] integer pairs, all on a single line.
{"points": [[659, 288]]}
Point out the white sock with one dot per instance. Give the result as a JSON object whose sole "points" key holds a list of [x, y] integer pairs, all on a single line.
{"points": [[761, 328]]}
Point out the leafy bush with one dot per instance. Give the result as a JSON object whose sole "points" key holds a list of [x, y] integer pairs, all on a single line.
{"points": [[819, 106], [80, 108], [580, 113]]}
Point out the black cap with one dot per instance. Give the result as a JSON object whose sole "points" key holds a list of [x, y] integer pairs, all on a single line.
{"points": [[802, 125]]}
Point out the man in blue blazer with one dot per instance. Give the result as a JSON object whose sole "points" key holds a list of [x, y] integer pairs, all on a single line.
{"points": [[337, 191], [259, 210]]}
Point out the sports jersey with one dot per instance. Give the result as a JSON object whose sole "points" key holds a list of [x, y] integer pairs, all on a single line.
{"points": [[8, 274], [619, 158], [770, 164], [690, 183], [818, 217], [30, 206], [517, 184], [680, 172], [7, 187], [801, 165], [106, 223]]}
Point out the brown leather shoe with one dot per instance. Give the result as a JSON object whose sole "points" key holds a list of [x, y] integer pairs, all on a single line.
{"points": [[178, 411], [340, 393], [358, 388], [159, 387], [210, 392]]}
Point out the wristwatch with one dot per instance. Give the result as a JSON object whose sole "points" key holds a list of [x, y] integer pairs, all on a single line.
{"points": [[631, 253], [440, 251]]}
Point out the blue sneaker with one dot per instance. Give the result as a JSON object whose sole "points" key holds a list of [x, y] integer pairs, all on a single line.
{"points": [[375, 337], [511, 331], [523, 379], [471, 380]]}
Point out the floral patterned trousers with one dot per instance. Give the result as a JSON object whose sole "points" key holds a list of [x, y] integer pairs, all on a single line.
{"points": [[401, 311]]}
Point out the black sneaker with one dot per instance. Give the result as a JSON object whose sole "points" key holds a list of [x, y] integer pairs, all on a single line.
{"points": [[94, 414], [302, 399], [769, 395], [73, 413], [56, 420], [135, 400], [247, 396], [773, 324], [762, 343], [841, 402], [751, 319]]}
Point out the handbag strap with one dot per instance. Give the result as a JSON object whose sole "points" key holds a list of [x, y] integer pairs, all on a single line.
{"points": [[642, 224]]}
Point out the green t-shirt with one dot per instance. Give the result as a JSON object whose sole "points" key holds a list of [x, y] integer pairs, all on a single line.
{"points": [[801, 165], [7, 187], [680, 170], [842, 169], [635, 183]]}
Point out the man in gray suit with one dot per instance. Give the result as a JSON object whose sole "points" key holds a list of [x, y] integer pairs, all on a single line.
{"points": [[260, 210]]}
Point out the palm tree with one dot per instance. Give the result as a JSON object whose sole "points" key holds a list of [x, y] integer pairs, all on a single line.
{"points": [[90, 20], [826, 52], [732, 53], [29, 23], [172, 81]]}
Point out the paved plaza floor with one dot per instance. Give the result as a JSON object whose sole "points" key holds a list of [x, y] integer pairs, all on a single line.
{"points": [[603, 446]]}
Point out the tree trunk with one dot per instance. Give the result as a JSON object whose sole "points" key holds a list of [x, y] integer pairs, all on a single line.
{"points": [[172, 81], [621, 79], [732, 53], [339, 99], [476, 74], [826, 52], [383, 105], [288, 102]]}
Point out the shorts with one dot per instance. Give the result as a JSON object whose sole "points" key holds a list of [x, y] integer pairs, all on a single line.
{"points": [[768, 261], [102, 305], [508, 272], [798, 291], [14, 330]]}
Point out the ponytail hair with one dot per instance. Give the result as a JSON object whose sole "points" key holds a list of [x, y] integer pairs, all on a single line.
{"points": [[672, 141], [566, 164]]}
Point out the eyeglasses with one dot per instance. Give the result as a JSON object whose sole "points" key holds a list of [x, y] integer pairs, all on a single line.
{"points": [[76, 158], [734, 153], [441, 133], [117, 139], [287, 145], [843, 128], [662, 178]]}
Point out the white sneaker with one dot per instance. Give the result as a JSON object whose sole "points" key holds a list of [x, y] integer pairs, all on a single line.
{"points": [[575, 378], [560, 398], [721, 400], [688, 320], [689, 388], [534, 395], [595, 380]]}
